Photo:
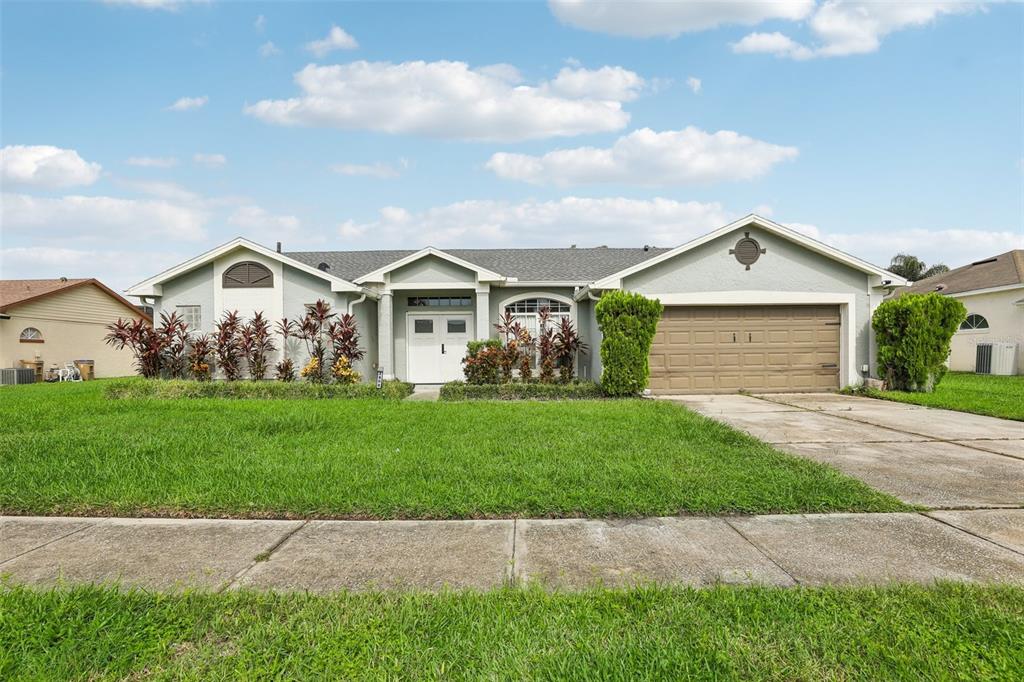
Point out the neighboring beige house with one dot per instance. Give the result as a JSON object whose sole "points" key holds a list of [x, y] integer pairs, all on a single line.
{"points": [[62, 320], [992, 290]]}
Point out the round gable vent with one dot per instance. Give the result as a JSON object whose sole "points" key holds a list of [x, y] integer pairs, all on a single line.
{"points": [[747, 250]]}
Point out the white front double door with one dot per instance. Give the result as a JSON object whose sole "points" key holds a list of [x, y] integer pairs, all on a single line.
{"points": [[437, 344]]}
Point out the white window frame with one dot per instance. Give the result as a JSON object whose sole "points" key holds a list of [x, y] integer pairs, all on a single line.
{"points": [[974, 330], [188, 313]]}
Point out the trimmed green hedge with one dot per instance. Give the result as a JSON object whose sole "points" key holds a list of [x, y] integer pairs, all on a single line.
{"points": [[295, 390], [628, 322], [913, 334], [579, 390]]}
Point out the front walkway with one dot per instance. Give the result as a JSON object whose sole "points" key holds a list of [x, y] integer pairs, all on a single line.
{"points": [[924, 456], [323, 556]]}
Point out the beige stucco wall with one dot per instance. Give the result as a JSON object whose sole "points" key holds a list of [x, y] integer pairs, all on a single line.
{"points": [[1005, 321], [73, 324]]}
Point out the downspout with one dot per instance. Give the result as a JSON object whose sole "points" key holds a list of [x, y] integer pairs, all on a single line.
{"points": [[353, 304]]}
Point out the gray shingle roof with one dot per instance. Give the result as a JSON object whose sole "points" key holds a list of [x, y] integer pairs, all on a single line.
{"points": [[1004, 269], [526, 265]]}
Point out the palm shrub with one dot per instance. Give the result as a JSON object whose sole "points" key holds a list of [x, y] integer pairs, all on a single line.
{"points": [[228, 345], [913, 333], [568, 345], [628, 322], [145, 343], [256, 344], [200, 349]]}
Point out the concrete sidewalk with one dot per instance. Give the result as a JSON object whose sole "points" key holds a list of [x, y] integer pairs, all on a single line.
{"points": [[322, 556]]}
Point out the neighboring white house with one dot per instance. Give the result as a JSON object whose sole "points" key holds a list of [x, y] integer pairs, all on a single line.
{"points": [[992, 290], [753, 305]]}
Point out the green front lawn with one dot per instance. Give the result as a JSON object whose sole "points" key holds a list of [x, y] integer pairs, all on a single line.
{"points": [[726, 633], [996, 396], [66, 449]]}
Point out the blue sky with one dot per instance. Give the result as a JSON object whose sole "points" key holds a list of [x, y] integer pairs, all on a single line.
{"points": [[138, 134]]}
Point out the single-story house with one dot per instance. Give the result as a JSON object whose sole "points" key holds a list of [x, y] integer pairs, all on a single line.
{"points": [[753, 305], [59, 321], [992, 290]]}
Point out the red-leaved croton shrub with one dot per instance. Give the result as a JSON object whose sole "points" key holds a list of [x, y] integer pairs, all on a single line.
{"points": [[200, 350], [228, 345], [256, 345], [145, 344], [568, 345]]}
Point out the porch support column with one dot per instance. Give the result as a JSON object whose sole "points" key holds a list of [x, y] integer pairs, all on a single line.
{"points": [[385, 335], [483, 312]]}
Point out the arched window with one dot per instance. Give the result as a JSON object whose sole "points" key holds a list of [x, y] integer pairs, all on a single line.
{"points": [[526, 310], [974, 322], [31, 335], [248, 275]]}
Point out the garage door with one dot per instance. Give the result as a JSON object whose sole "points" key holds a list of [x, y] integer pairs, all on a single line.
{"points": [[703, 349]]}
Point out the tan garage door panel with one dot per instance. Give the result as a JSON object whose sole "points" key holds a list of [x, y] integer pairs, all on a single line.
{"points": [[711, 349]]}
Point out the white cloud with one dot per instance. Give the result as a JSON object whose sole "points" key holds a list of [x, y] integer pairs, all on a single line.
{"points": [[570, 220], [165, 190], [646, 18], [612, 83], [694, 84], [451, 100], [954, 247], [269, 49], [337, 39], [260, 224], [167, 5], [102, 218], [116, 268], [152, 161], [771, 43], [650, 158], [189, 103], [383, 171], [846, 27], [210, 160], [46, 166], [260, 23]]}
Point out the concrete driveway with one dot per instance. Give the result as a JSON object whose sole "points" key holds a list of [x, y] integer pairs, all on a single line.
{"points": [[934, 458]]}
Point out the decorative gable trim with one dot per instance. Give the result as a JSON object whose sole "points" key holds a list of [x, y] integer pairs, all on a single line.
{"points": [[151, 286], [482, 274], [615, 281]]}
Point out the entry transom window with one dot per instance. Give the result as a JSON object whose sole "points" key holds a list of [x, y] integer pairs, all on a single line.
{"points": [[248, 275], [191, 315], [31, 335], [439, 301], [974, 322]]}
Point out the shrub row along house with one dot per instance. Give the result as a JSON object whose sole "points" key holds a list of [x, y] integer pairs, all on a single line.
{"points": [[753, 305]]}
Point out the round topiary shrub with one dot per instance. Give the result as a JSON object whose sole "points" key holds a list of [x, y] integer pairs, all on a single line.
{"points": [[628, 322], [913, 334]]}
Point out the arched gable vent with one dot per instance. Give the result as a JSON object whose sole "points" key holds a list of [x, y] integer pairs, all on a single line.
{"points": [[248, 275]]}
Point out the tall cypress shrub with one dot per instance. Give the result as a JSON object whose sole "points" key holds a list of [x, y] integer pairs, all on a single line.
{"points": [[628, 322], [913, 333]]}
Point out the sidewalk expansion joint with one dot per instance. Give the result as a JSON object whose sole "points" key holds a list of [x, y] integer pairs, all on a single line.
{"points": [[762, 552], [46, 544], [263, 556], [971, 533]]}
